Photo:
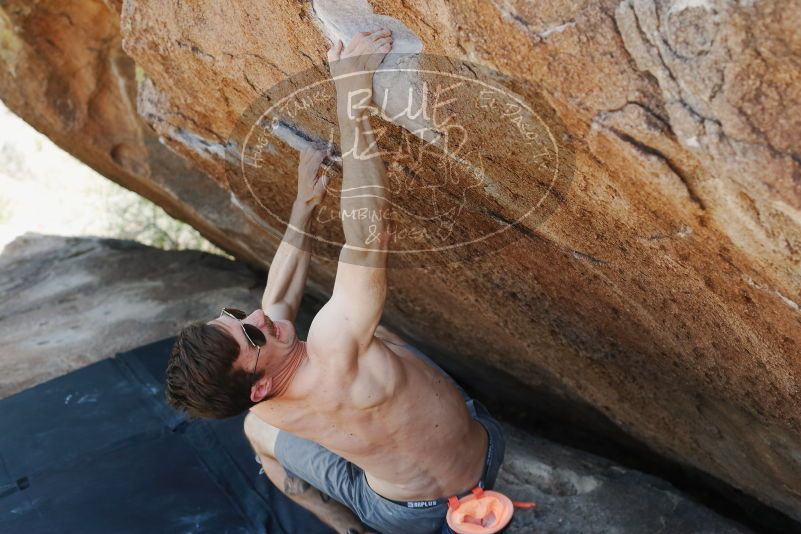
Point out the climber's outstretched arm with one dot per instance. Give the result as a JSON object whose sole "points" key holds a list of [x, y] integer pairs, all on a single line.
{"points": [[286, 279], [361, 282], [350, 317]]}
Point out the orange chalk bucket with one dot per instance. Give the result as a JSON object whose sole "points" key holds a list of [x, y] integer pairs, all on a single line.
{"points": [[482, 512]]}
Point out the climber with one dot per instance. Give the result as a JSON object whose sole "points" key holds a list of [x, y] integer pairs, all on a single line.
{"points": [[354, 424]]}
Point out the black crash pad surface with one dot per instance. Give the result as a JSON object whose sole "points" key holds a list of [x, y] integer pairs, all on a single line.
{"points": [[99, 450]]}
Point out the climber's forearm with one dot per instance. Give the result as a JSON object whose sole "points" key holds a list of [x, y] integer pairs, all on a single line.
{"points": [[286, 279], [364, 204]]}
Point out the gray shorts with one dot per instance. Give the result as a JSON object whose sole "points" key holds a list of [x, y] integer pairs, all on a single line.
{"points": [[346, 482]]}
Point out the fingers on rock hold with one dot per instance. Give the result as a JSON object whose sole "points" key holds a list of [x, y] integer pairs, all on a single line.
{"points": [[381, 33]]}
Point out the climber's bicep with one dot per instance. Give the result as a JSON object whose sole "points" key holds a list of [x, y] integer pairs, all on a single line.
{"points": [[349, 319]]}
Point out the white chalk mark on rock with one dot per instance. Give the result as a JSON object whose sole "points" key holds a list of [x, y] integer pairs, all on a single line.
{"points": [[198, 144], [789, 302], [681, 5], [396, 77], [298, 139], [343, 19], [556, 29]]}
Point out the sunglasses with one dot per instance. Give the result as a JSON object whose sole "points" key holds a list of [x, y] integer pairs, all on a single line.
{"points": [[254, 336]]}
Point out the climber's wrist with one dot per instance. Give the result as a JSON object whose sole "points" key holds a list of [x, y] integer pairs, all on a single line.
{"points": [[302, 212], [353, 108]]}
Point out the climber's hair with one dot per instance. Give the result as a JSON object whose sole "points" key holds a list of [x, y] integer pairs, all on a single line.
{"points": [[201, 378]]}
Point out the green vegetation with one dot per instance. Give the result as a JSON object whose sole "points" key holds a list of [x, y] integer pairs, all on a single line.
{"points": [[131, 216], [47, 191]]}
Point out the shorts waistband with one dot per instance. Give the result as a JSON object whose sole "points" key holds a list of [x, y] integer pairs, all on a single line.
{"points": [[431, 503]]}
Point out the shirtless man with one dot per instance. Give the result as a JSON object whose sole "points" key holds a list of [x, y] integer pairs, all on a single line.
{"points": [[354, 423]]}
